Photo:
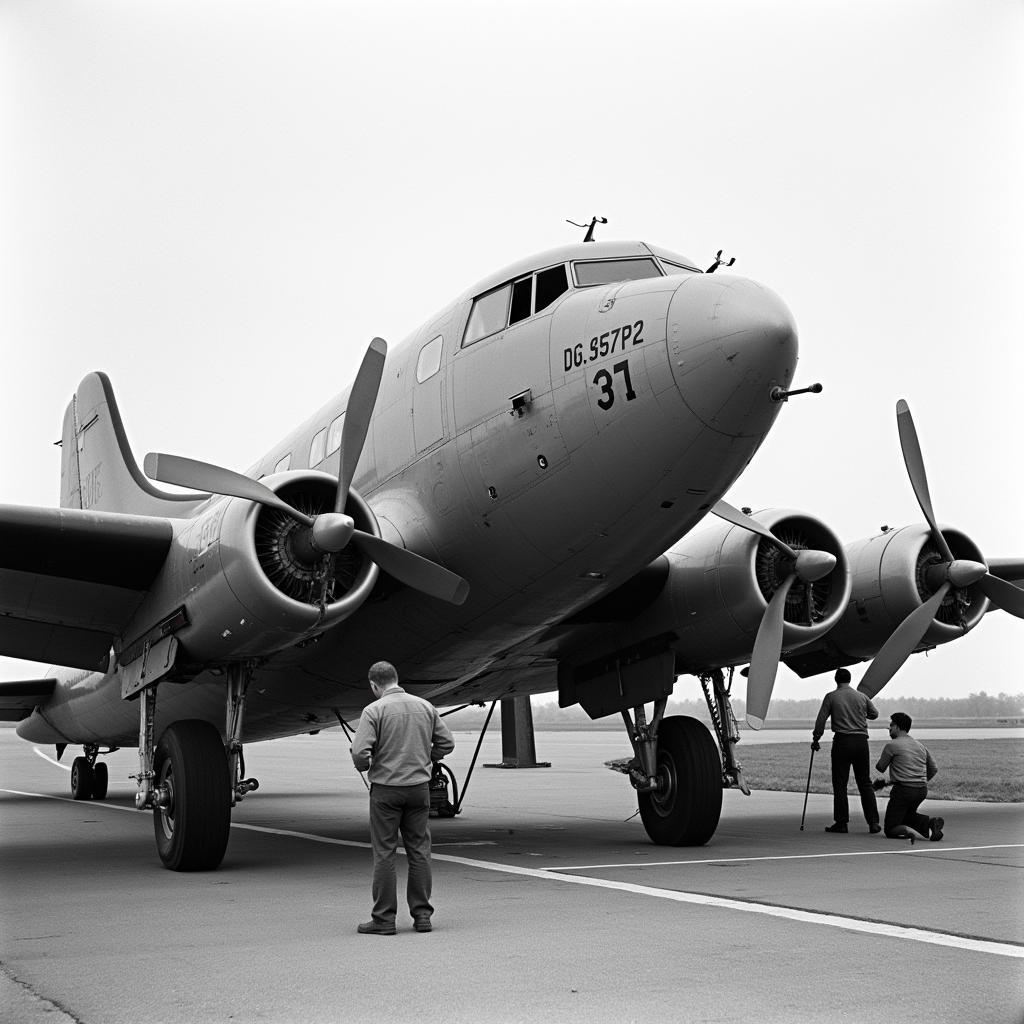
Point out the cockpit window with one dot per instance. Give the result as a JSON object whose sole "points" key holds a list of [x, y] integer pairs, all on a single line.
{"points": [[591, 272], [522, 300], [516, 301], [550, 284], [678, 268], [489, 315]]}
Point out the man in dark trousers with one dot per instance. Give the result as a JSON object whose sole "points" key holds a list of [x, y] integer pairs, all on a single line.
{"points": [[910, 769], [398, 737], [849, 710]]}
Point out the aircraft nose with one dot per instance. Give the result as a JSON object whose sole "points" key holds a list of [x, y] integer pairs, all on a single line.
{"points": [[731, 340]]}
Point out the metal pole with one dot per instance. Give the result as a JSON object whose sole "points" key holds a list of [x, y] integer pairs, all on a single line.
{"points": [[807, 790]]}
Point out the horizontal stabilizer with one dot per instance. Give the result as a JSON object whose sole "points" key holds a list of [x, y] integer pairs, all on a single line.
{"points": [[19, 698]]}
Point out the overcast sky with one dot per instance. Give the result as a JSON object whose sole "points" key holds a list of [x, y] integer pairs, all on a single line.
{"points": [[220, 203]]}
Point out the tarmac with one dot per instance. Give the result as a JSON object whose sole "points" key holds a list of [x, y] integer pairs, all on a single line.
{"points": [[551, 905]]}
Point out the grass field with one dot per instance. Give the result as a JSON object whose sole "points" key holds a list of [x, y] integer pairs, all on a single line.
{"points": [[988, 770]]}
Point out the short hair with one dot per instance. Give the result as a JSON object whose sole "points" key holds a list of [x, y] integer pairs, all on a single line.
{"points": [[843, 675], [383, 673], [901, 720]]}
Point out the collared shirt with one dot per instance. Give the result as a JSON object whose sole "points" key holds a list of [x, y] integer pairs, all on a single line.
{"points": [[398, 737], [908, 761], [849, 709]]}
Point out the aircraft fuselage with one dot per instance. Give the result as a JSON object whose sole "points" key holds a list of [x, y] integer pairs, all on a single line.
{"points": [[546, 462]]}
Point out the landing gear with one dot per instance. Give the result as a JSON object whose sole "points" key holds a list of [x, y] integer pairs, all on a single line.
{"points": [[717, 694], [100, 778], [192, 820], [684, 808], [677, 775], [192, 778], [89, 777], [81, 779]]}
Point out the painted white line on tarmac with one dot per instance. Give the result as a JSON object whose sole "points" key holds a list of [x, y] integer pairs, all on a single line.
{"points": [[923, 846], [46, 757], [854, 924], [892, 931]]}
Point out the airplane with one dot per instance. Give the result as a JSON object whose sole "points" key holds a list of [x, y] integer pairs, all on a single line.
{"points": [[525, 495]]}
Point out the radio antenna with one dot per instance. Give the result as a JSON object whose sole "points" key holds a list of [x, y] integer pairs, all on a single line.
{"points": [[589, 237]]}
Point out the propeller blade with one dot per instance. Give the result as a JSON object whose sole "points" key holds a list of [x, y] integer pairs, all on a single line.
{"points": [[915, 469], [764, 661], [1004, 595], [725, 511], [173, 469], [361, 400], [417, 572], [901, 644]]}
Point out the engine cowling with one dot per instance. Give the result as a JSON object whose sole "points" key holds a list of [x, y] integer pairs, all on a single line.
{"points": [[723, 576], [890, 580], [252, 588]]}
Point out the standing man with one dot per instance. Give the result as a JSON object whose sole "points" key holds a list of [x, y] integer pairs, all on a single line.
{"points": [[398, 737], [849, 710], [910, 769]]}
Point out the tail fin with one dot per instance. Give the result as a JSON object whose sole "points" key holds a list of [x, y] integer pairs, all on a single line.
{"points": [[98, 470]]}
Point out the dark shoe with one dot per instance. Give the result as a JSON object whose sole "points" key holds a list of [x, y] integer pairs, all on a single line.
{"points": [[422, 924], [839, 826], [874, 827], [376, 928], [935, 826]]}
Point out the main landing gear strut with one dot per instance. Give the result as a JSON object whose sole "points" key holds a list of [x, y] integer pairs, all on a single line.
{"points": [[677, 775], [193, 777], [676, 769]]}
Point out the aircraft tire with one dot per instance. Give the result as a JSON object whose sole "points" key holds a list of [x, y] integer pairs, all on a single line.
{"points": [[82, 780], [686, 813], [100, 780], [192, 831]]}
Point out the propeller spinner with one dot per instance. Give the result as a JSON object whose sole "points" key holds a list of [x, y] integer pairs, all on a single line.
{"points": [[806, 565], [328, 533], [949, 574]]}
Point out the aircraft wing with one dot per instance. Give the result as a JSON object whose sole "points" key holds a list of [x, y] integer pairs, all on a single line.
{"points": [[20, 697], [71, 579]]}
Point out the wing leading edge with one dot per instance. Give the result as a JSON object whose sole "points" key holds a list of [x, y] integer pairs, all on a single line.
{"points": [[70, 580]]}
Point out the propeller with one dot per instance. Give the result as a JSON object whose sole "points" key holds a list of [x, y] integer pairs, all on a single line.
{"points": [[808, 566], [329, 532], [949, 574]]}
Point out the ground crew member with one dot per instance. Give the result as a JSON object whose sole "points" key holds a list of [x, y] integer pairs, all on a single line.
{"points": [[849, 710], [398, 737], [911, 767]]}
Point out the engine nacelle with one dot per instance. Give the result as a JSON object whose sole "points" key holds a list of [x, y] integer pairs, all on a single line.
{"points": [[249, 589], [889, 573], [722, 578]]}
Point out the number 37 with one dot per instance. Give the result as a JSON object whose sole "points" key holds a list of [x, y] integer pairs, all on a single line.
{"points": [[603, 379]]}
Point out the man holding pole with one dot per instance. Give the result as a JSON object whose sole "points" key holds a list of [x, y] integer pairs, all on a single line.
{"points": [[850, 711]]}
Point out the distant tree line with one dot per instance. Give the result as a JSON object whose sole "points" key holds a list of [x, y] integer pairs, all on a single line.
{"points": [[982, 705]]}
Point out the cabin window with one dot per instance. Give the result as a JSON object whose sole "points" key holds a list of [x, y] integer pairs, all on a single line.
{"points": [[550, 284], [334, 434], [283, 464], [429, 361], [489, 314], [591, 272], [316, 449]]}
